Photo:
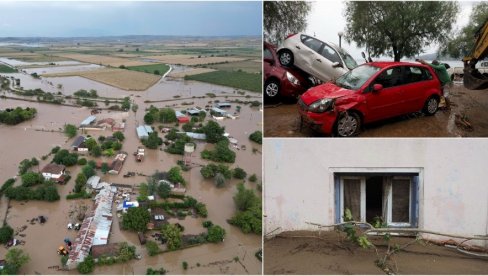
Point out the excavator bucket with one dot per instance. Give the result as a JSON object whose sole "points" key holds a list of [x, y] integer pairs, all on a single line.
{"points": [[474, 80]]}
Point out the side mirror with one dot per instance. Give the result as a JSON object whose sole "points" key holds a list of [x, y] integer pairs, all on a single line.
{"points": [[336, 64], [269, 60], [377, 87]]}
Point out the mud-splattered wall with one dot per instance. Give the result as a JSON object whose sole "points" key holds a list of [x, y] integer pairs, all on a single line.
{"points": [[453, 188]]}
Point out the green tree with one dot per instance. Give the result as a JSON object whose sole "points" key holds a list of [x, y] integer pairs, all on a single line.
{"points": [[221, 153], [167, 115], [219, 180], [399, 28], [245, 198], [90, 143], [105, 168], [31, 179], [6, 233], [239, 173], [257, 137], [136, 219], [174, 175], [153, 141], [253, 178], [172, 234], [126, 103], [119, 135], [163, 190], [96, 151], [24, 166], [87, 266], [215, 234], [213, 131], [462, 43], [15, 259], [80, 182], [249, 211], [152, 248], [50, 193], [82, 161], [284, 17], [88, 171], [70, 130]]}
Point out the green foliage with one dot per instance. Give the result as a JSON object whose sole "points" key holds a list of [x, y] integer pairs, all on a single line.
{"points": [[6, 233], [174, 175], [153, 141], [210, 170], [350, 230], [136, 219], [215, 234], [104, 168], [284, 17], [167, 115], [257, 137], [82, 161], [207, 224], [163, 190], [125, 103], [184, 265], [18, 115], [462, 44], [90, 143], [201, 209], [160, 271], [188, 127], [15, 259], [31, 179], [26, 164], [82, 194], [126, 252], [221, 153], [86, 94], [64, 157], [7, 184], [119, 135], [219, 180], [239, 173], [55, 149], [149, 118], [143, 192], [87, 266], [7, 69], [172, 234], [64, 260], [253, 178], [88, 171], [96, 151], [213, 131], [236, 79], [378, 26], [160, 68], [80, 182], [70, 130], [152, 248], [249, 211], [178, 147]]}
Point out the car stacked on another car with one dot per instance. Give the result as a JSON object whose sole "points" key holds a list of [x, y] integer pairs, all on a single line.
{"points": [[279, 81], [371, 92], [323, 60]]}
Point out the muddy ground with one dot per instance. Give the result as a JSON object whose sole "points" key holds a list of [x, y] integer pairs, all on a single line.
{"points": [[331, 253], [282, 120]]}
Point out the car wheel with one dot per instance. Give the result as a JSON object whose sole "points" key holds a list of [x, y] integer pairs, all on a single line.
{"points": [[348, 125], [286, 58], [431, 106], [271, 90]]}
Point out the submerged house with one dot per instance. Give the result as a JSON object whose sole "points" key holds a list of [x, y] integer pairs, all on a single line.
{"points": [[417, 184], [182, 118], [79, 144], [90, 120], [53, 171], [143, 131]]}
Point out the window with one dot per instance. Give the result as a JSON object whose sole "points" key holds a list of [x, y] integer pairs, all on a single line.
{"points": [[267, 53], [388, 197], [330, 54], [390, 77], [416, 74], [311, 43]]}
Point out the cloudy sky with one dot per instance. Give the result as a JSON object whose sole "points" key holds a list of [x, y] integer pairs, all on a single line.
{"points": [[326, 20], [78, 18]]}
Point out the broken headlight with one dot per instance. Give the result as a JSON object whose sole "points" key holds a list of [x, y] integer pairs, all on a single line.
{"points": [[292, 78], [321, 105]]}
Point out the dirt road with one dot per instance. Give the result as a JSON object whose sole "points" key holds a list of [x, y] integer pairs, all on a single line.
{"points": [[282, 120], [332, 254]]}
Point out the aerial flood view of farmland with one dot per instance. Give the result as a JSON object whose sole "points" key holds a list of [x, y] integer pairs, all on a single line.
{"points": [[132, 154]]}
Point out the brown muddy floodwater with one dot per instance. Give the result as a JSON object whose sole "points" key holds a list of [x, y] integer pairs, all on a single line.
{"points": [[25, 141], [282, 120]]}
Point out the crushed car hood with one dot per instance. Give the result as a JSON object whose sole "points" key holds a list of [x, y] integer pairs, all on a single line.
{"points": [[326, 90]]}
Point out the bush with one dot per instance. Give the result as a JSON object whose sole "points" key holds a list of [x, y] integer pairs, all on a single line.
{"points": [[257, 137], [6, 233], [172, 234], [253, 178], [119, 135], [160, 271], [184, 265], [201, 209], [174, 176], [215, 234], [152, 248], [249, 211], [221, 153], [87, 266], [82, 161], [214, 132], [239, 173], [136, 219], [207, 224], [9, 183], [18, 115], [70, 130], [63, 157]]}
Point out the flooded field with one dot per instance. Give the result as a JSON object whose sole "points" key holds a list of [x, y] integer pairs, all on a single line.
{"points": [[282, 120], [26, 141]]}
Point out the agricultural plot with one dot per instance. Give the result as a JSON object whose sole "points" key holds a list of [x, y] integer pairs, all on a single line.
{"points": [[31, 57], [236, 79], [104, 60], [123, 79], [156, 69], [6, 69], [249, 66], [193, 59], [190, 72]]}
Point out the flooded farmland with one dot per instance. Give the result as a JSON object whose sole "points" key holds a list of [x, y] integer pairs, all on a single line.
{"points": [[38, 136]]}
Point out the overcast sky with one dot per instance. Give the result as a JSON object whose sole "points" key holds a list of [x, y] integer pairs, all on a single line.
{"points": [[326, 20], [64, 19]]}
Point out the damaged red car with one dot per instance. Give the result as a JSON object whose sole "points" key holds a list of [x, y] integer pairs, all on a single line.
{"points": [[371, 92]]}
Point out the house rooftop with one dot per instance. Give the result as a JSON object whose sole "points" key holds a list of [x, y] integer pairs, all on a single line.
{"points": [[78, 141], [53, 168], [88, 120]]}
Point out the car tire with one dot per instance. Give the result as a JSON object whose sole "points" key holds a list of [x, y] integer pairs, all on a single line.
{"points": [[286, 58], [431, 106], [348, 125], [271, 90]]}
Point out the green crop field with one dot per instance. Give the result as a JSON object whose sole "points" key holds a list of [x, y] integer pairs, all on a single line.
{"points": [[162, 68], [245, 65], [6, 69], [236, 79]]}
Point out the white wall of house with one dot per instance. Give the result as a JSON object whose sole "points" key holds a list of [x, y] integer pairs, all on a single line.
{"points": [[48, 176], [453, 194]]}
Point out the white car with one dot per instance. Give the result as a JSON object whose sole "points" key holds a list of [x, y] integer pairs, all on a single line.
{"points": [[322, 60]]}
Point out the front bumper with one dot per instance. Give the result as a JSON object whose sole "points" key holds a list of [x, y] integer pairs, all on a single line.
{"points": [[320, 122]]}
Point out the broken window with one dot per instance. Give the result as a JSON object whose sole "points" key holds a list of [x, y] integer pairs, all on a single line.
{"points": [[390, 198]]}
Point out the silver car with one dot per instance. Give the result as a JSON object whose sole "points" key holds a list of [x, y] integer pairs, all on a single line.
{"points": [[322, 60]]}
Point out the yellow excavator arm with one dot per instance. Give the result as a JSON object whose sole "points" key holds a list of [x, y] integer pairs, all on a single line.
{"points": [[473, 79]]}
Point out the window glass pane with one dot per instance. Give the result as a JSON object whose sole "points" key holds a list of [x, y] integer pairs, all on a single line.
{"points": [[312, 43], [267, 53], [352, 197], [390, 77], [400, 211], [330, 54]]}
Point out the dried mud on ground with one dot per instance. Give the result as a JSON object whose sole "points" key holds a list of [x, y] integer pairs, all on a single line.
{"points": [[123, 79], [193, 59], [332, 254], [466, 117], [103, 60]]}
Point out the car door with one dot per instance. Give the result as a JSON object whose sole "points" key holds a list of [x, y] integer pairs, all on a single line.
{"points": [[329, 56], [309, 53], [387, 102], [416, 81]]}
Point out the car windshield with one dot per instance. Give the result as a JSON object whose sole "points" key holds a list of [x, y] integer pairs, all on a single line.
{"points": [[348, 60], [355, 78]]}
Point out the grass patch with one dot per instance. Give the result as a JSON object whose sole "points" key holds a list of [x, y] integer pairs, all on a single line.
{"points": [[7, 69], [160, 69], [246, 66], [236, 79]]}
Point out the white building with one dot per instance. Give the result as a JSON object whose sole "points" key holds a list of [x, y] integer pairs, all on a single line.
{"points": [[53, 171], [430, 184]]}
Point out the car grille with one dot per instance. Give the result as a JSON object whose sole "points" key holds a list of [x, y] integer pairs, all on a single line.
{"points": [[302, 105]]}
